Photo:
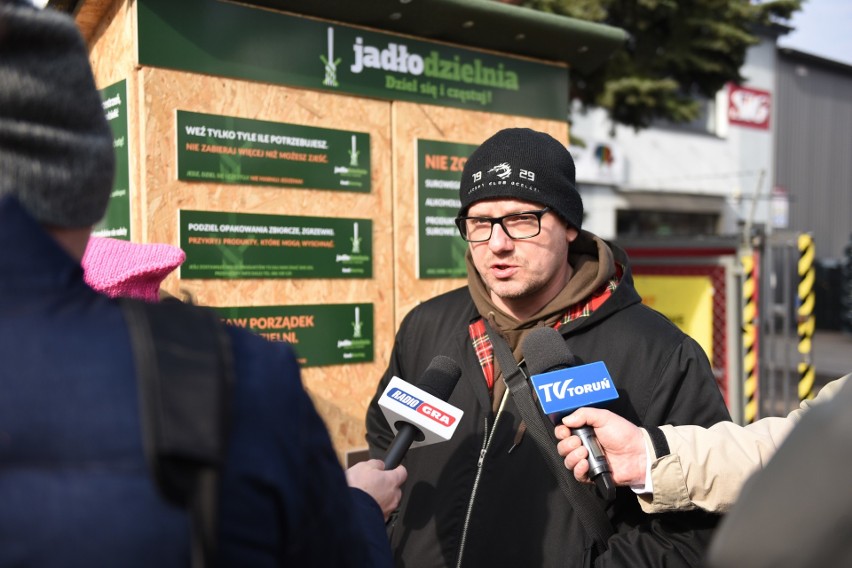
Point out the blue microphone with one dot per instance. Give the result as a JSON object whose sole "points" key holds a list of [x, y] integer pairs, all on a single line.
{"points": [[562, 387]]}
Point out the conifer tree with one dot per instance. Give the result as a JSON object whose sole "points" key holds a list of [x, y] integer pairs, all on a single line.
{"points": [[679, 51]]}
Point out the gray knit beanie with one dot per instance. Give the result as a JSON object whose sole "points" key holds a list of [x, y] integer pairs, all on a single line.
{"points": [[56, 153], [523, 164]]}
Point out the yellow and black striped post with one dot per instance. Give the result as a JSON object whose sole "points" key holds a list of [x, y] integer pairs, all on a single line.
{"points": [[750, 328], [805, 316]]}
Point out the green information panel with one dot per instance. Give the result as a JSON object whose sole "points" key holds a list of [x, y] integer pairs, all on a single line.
{"points": [[440, 247], [332, 334], [116, 221], [241, 245], [226, 149], [244, 42]]}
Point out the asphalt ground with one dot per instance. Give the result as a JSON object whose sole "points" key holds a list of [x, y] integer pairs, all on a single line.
{"points": [[830, 356]]}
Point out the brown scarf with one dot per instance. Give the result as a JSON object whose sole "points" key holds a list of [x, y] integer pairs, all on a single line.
{"points": [[593, 265]]}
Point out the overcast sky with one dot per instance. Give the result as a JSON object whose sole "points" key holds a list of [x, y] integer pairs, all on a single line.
{"points": [[824, 28]]}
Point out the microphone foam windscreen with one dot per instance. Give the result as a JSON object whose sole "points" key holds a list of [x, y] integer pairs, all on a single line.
{"points": [[545, 350], [440, 377]]}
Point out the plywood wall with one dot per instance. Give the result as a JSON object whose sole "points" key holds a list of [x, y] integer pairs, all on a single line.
{"points": [[108, 27], [340, 391]]}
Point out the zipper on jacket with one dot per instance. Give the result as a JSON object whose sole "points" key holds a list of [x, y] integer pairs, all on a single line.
{"points": [[486, 443]]}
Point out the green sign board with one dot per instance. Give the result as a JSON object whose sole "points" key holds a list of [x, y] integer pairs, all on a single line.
{"points": [[440, 247], [225, 245], [331, 334], [116, 221], [226, 149], [244, 42]]}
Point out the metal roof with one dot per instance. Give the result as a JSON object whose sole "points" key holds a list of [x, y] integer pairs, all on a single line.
{"points": [[484, 24], [495, 25]]}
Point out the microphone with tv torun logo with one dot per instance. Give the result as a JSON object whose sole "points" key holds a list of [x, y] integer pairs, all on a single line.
{"points": [[545, 353]]}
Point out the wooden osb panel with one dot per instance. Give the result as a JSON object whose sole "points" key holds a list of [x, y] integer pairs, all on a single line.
{"points": [[111, 40], [342, 392], [410, 123], [91, 15], [109, 29]]}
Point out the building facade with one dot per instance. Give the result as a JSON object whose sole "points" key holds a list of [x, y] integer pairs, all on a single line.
{"points": [[709, 177]]}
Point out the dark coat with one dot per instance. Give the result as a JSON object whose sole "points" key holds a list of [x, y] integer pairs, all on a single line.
{"points": [[75, 490], [518, 516]]}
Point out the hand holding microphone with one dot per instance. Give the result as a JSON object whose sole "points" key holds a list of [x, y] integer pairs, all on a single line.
{"points": [[384, 486], [561, 388], [622, 441]]}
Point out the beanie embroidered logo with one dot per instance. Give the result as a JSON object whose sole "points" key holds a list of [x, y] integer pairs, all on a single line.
{"points": [[503, 170]]}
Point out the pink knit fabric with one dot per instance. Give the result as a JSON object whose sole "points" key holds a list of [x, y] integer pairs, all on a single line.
{"points": [[136, 270]]}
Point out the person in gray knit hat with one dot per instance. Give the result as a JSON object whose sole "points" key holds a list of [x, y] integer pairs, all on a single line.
{"points": [[76, 488], [56, 153], [487, 496]]}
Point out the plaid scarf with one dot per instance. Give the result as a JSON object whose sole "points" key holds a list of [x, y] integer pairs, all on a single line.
{"points": [[485, 350]]}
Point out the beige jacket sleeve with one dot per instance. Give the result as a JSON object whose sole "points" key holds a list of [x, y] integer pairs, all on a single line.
{"points": [[706, 467]]}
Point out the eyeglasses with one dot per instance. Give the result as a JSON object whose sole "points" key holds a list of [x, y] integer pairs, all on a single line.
{"points": [[523, 225]]}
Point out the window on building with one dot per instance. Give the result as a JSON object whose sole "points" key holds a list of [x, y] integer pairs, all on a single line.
{"points": [[649, 223], [705, 122]]}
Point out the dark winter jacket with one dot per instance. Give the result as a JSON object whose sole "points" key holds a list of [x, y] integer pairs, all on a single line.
{"points": [[487, 494], [75, 490]]}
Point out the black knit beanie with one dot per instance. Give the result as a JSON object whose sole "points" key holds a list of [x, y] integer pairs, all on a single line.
{"points": [[56, 152], [523, 164]]}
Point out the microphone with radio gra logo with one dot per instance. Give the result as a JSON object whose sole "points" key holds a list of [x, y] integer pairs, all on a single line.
{"points": [[562, 388], [420, 414]]}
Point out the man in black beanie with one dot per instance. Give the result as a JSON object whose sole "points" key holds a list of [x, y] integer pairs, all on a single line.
{"points": [[487, 496], [75, 487]]}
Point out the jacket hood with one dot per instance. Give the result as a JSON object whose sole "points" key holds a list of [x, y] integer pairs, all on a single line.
{"points": [[594, 265]]}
